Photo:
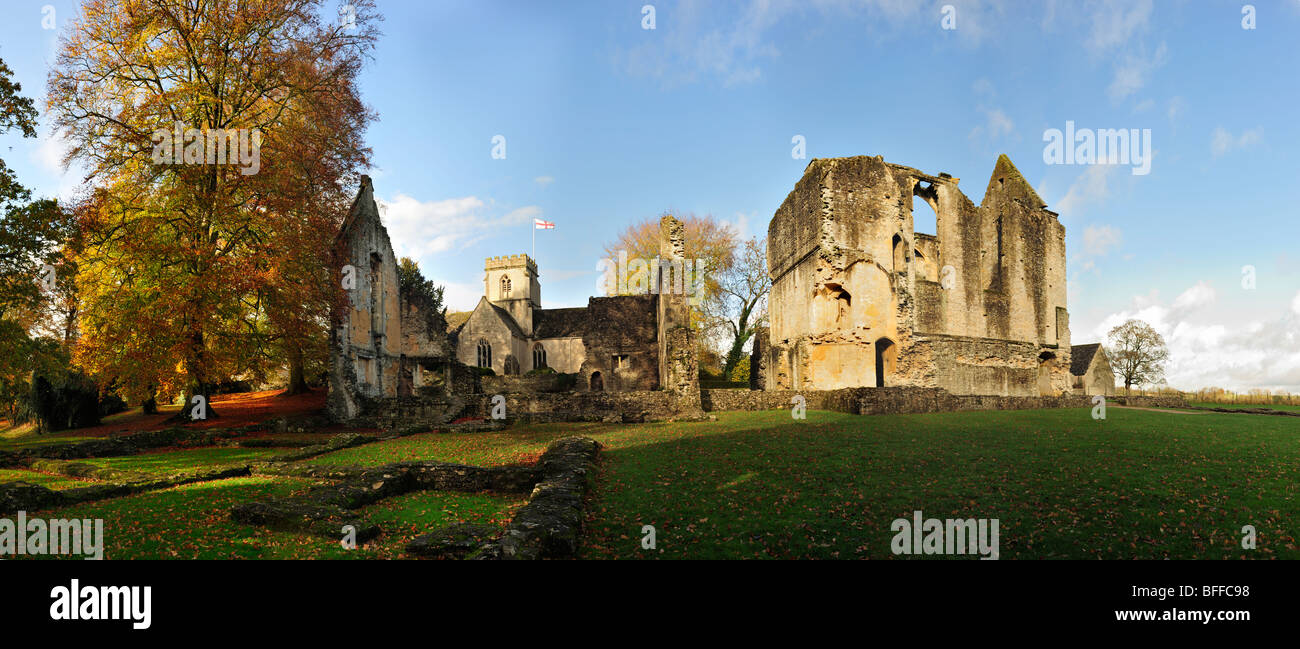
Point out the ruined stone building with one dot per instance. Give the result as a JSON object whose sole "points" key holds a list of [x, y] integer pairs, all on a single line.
{"points": [[392, 356], [385, 344], [859, 298], [1091, 371], [617, 343]]}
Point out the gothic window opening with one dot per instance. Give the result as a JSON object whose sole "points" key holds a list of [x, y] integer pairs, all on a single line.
{"points": [[511, 366], [484, 354], [505, 287], [539, 356]]}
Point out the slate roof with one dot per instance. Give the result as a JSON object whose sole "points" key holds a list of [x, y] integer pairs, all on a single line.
{"points": [[1081, 357], [559, 323]]}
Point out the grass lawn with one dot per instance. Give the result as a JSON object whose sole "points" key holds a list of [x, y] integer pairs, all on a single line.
{"points": [[55, 482], [193, 522], [165, 462], [1139, 484]]}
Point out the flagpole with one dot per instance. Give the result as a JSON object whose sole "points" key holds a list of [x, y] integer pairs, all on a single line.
{"points": [[534, 241]]}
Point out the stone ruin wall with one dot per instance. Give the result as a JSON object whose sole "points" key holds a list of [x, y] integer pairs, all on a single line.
{"points": [[841, 284], [382, 346]]}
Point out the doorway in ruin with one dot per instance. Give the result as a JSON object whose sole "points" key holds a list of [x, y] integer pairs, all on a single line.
{"points": [[1046, 361], [597, 383], [886, 360]]}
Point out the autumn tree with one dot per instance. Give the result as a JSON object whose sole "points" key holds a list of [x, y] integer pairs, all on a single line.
{"points": [[225, 137], [30, 233], [741, 306], [1137, 354]]}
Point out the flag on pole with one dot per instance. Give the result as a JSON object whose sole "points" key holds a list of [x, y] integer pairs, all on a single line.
{"points": [[539, 224]]}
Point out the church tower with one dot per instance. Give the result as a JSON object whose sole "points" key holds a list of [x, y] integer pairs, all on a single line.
{"points": [[511, 283]]}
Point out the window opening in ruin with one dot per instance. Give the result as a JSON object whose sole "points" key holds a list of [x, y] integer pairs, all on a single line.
{"points": [[539, 356], [511, 366], [505, 287], [597, 383], [924, 218], [898, 254], [886, 360], [620, 361], [484, 354]]}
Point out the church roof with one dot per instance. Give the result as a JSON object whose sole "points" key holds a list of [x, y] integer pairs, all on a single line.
{"points": [[509, 320], [559, 323], [1081, 357]]}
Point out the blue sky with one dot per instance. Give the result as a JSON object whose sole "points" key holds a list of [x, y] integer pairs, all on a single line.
{"points": [[607, 123]]}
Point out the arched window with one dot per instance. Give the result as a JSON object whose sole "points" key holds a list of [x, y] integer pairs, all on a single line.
{"points": [[539, 356], [512, 366], [597, 383], [484, 354], [899, 254], [505, 287]]}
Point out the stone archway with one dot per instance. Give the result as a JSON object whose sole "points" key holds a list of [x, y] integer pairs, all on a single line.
{"points": [[597, 382], [886, 360]]}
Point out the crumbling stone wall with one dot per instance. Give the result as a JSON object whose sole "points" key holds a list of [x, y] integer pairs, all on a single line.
{"points": [[860, 299], [621, 344], [383, 344]]}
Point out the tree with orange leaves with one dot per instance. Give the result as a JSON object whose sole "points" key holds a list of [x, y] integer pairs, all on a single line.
{"points": [[225, 138]]}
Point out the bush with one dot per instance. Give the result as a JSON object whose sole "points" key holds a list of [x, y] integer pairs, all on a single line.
{"points": [[483, 371], [111, 404], [540, 371], [61, 400]]}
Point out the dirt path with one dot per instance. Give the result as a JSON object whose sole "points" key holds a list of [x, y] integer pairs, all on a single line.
{"points": [[1167, 410]]}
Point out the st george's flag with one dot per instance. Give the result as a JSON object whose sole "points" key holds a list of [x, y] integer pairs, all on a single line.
{"points": [[543, 225]]}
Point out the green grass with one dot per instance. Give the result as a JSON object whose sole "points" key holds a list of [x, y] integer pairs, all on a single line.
{"points": [[168, 462], [55, 482], [1137, 485], [193, 522], [1238, 406]]}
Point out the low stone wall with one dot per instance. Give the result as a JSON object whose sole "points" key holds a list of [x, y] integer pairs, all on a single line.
{"points": [[127, 444], [536, 383], [625, 407], [879, 401], [23, 496], [323, 511], [1150, 402], [548, 526]]}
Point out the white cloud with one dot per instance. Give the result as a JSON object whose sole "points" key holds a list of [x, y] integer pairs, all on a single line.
{"points": [[1116, 22], [418, 228], [697, 40], [1222, 141], [1207, 349], [1090, 187], [544, 180], [1132, 72], [1100, 240]]}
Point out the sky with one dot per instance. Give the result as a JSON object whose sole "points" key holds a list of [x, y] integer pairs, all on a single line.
{"points": [[607, 122]]}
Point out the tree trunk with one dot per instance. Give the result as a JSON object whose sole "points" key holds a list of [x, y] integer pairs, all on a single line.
{"points": [[297, 378]]}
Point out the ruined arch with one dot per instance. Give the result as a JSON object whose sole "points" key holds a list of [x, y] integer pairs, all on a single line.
{"points": [[925, 214], [900, 254], [511, 365], [886, 360], [597, 383]]}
